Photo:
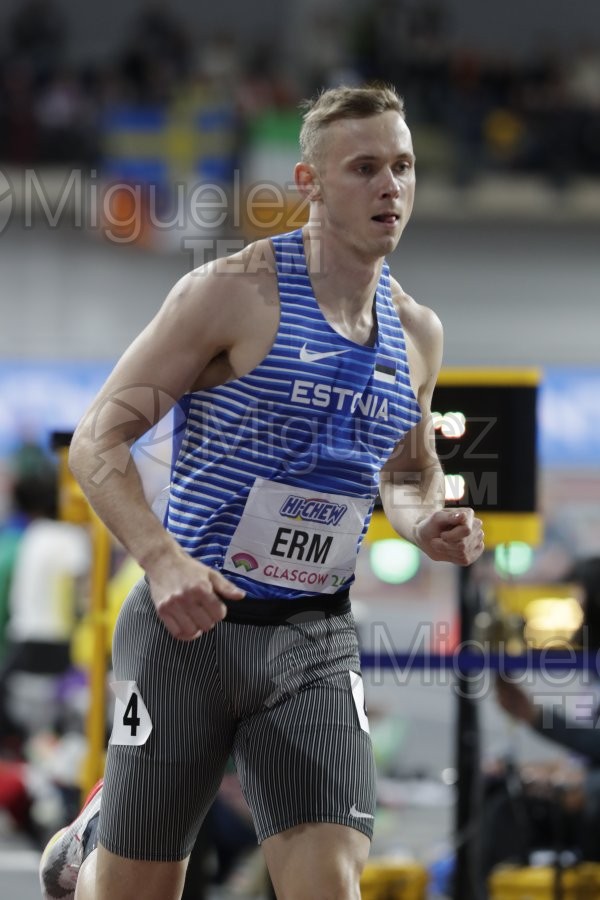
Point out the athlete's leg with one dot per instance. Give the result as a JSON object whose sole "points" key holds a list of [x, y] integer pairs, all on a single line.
{"points": [[305, 761], [74, 866], [86, 882], [159, 880], [171, 739], [117, 878], [319, 861]]}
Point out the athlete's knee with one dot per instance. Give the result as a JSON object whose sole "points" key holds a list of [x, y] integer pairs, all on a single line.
{"points": [[332, 889], [119, 878], [337, 879], [340, 884]]}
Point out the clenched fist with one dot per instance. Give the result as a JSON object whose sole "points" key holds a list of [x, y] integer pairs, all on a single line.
{"points": [[188, 596], [451, 535]]}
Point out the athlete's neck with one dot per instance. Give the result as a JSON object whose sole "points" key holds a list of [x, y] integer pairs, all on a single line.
{"points": [[341, 281]]}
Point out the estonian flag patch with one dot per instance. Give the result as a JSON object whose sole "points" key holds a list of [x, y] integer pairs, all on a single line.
{"points": [[385, 369]]}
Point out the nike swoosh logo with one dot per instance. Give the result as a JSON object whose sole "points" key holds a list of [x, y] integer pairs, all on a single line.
{"points": [[307, 355], [359, 815]]}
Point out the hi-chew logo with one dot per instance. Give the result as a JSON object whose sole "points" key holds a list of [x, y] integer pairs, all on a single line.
{"points": [[325, 512], [244, 561]]}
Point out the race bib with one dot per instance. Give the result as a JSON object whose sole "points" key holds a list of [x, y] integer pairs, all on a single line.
{"points": [[297, 538], [358, 695], [131, 724]]}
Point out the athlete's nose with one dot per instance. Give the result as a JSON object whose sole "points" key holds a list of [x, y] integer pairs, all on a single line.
{"points": [[389, 183]]}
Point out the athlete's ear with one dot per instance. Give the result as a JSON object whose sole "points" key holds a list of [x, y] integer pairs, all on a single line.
{"points": [[307, 181]]}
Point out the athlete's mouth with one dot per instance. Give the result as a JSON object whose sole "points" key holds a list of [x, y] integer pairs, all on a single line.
{"points": [[386, 218]]}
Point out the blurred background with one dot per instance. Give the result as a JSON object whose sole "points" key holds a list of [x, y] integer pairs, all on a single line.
{"points": [[140, 139]]}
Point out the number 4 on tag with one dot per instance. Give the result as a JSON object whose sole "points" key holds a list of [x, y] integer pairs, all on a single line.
{"points": [[132, 724], [131, 717]]}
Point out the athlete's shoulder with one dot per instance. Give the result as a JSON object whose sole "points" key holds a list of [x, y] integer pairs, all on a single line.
{"points": [[252, 261], [420, 321], [234, 274], [425, 340], [218, 294]]}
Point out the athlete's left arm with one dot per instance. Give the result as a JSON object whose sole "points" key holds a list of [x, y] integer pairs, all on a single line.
{"points": [[412, 486]]}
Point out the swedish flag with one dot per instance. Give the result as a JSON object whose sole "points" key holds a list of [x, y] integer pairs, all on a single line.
{"points": [[194, 135]]}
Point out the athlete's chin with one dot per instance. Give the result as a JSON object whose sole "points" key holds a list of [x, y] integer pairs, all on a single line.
{"points": [[382, 245], [391, 241]]}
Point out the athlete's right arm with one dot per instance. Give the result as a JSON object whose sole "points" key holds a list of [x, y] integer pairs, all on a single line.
{"points": [[193, 328]]}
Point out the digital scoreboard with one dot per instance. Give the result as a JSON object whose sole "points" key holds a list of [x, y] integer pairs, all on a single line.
{"points": [[485, 424]]}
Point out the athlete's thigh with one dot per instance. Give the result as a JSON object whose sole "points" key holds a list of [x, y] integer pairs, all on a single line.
{"points": [[172, 735], [309, 758]]}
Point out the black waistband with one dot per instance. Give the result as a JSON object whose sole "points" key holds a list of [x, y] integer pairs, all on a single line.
{"points": [[254, 611]]}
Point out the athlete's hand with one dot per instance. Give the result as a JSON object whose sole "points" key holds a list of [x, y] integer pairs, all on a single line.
{"points": [[188, 596], [515, 701], [451, 535]]}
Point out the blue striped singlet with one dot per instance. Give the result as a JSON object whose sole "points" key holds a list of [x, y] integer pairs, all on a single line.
{"points": [[275, 473]]}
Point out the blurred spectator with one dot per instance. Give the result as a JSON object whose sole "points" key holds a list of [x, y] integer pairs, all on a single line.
{"points": [[466, 111], [51, 560], [263, 86], [37, 34], [381, 39], [158, 41], [325, 55], [29, 467], [19, 131], [583, 77], [554, 805], [66, 120], [218, 63], [23, 507], [471, 113]]}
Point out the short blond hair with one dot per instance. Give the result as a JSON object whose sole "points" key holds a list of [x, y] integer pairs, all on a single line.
{"points": [[343, 103]]}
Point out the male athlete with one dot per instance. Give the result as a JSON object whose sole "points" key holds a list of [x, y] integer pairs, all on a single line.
{"points": [[303, 374]]}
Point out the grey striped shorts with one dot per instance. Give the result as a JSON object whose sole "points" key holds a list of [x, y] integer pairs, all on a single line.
{"points": [[284, 700]]}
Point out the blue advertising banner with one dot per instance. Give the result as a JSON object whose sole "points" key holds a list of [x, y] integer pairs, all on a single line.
{"points": [[569, 418], [37, 398]]}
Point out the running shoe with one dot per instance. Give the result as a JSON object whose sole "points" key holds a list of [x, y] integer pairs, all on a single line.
{"points": [[63, 854]]}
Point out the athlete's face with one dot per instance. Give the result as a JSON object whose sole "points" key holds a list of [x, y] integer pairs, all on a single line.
{"points": [[366, 181]]}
